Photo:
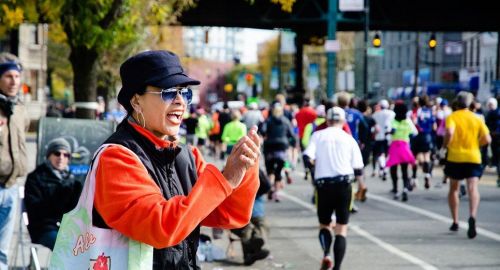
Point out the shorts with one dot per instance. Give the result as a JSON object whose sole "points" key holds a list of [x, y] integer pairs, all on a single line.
{"points": [[422, 143], [334, 197], [275, 166], [380, 147], [201, 141], [215, 138], [459, 171]]}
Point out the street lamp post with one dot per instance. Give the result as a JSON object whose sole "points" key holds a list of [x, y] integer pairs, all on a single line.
{"points": [[417, 60], [332, 29], [365, 55]]}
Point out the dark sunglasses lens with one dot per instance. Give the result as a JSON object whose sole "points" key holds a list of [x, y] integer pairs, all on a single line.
{"points": [[169, 96], [58, 154], [188, 95]]}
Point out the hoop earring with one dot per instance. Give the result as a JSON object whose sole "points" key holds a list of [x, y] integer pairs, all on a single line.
{"points": [[139, 113]]}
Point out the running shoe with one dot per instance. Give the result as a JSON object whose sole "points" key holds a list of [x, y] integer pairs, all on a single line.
{"points": [[362, 195], [463, 191], [326, 263], [354, 209], [427, 183], [454, 227], [288, 178], [270, 194], [253, 257], [276, 197], [471, 232], [404, 196]]}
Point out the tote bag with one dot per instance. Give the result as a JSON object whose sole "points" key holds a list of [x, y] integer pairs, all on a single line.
{"points": [[81, 246]]}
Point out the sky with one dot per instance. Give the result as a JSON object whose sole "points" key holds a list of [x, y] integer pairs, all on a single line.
{"points": [[250, 39]]}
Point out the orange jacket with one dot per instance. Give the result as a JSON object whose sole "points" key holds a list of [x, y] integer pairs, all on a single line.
{"points": [[130, 202]]}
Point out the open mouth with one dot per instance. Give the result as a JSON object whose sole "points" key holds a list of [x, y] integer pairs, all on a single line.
{"points": [[175, 116]]}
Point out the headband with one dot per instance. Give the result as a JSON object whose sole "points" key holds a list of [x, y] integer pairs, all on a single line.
{"points": [[4, 67]]}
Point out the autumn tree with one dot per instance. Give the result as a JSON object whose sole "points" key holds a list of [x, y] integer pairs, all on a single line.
{"points": [[93, 29]]}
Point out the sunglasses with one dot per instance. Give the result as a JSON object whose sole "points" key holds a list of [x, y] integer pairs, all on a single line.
{"points": [[169, 95], [58, 154]]}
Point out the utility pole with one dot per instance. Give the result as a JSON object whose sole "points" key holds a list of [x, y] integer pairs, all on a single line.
{"points": [[280, 82], [417, 60], [498, 57], [365, 52], [330, 56]]}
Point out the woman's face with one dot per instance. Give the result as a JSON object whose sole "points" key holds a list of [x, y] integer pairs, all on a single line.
{"points": [[161, 118]]}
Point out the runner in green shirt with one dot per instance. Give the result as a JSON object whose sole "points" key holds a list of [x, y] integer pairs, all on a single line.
{"points": [[233, 131]]}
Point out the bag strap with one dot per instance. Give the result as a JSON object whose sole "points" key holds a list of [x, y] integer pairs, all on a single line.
{"points": [[87, 197]]}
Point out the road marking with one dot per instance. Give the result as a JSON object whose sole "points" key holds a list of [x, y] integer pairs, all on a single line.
{"points": [[390, 248], [432, 215]]}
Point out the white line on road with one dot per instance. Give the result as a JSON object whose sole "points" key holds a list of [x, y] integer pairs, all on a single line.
{"points": [[432, 215], [392, 249]]}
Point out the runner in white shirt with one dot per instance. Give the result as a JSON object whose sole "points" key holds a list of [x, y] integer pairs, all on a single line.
{"points": [[383, 118], [335, 154]]}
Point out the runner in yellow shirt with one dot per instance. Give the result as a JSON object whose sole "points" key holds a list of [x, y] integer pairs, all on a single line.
{"points": [[465, 133]]}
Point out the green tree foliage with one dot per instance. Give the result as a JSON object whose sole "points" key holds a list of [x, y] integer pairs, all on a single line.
{"points": [[94, 30]]}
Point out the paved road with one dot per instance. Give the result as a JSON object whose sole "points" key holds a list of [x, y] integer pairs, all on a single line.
{"points": [[384, 234]]}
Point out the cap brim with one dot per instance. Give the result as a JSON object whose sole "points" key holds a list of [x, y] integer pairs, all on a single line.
{"points": [[173, 80]]}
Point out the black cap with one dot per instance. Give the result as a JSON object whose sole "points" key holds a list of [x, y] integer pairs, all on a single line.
{"points": [[161, 69]]}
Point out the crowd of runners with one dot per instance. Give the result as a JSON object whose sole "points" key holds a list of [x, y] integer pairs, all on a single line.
{"points": [[418, 136]]}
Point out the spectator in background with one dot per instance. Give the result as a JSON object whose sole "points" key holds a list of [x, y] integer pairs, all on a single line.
{"points": [[51, 191], [14, 122], [254, 234]]}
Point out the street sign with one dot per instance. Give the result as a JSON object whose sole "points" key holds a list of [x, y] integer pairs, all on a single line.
{"points": [[332, 46], [375, 52], [351, 5]]}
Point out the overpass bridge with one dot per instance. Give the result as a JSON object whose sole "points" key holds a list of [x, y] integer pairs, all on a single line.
{"points": [[322, 18]]}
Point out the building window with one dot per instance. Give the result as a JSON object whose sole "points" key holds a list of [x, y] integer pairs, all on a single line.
{"points": [[34, 35], [391, 64], [465, 50], [399, 57], [471, 53], [384, 60], [478, 51], [408, 55], [485, 71]]}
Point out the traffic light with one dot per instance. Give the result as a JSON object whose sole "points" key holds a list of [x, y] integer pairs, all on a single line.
{"points": [[249, 78], [377, 42], [432, 42]]}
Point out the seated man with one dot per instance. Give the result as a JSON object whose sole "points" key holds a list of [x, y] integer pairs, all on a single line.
{"points": [[50, 191], [253, 235]]}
